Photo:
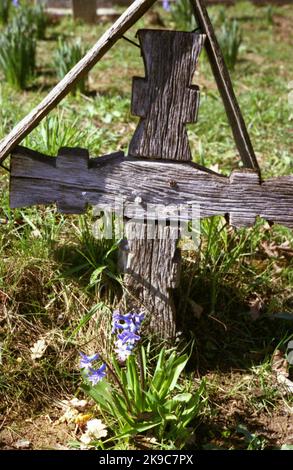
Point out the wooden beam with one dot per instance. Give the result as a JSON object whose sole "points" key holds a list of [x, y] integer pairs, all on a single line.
{"points": [[225, 86], [73, 182], [109, 38]]}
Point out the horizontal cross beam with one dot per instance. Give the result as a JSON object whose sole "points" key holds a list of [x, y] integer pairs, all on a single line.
{"points": [[72, 180]]}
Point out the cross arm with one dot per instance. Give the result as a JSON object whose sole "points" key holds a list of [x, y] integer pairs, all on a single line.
{"points": [[37, 179]]}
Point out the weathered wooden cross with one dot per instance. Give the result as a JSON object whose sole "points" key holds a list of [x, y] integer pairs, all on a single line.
{"points": [[158, 169]]}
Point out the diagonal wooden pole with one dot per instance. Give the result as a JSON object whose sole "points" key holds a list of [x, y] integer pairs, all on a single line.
{"points": [[225, 86], [109, 38]]}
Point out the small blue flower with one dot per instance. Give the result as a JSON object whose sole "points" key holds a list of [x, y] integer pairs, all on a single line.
{"points": [[95, 376], [123, 351], [128, 337], [15, 3], [120, 318], [127, 328], [86, 361], [166, 5]]}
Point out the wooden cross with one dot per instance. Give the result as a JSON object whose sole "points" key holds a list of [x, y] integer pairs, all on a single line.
{"points": [[158, 169], [154, 173]]}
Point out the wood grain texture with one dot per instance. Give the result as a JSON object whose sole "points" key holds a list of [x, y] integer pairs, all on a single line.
{"points": [[152, 271], [165, 100], [38, 179], [222, 76], [129, 18]]}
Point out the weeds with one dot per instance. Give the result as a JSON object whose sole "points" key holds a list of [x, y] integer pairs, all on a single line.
{"points": [[56, 132], [18, 54], [66, 56], [182, 15], [4, 11], [230, 40]]}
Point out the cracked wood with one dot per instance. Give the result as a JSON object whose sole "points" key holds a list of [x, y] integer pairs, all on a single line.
{"points": [[73, 181]]}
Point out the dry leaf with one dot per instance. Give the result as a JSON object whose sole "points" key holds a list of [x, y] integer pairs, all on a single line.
{"points": [[95, 429], [38, 349], [288, 384], [256, 306], [22, 444]]}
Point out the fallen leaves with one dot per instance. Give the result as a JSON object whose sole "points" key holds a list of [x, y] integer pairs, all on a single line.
{"points": [[273, 250], [22, 444], [38, 349], [95, 430]]}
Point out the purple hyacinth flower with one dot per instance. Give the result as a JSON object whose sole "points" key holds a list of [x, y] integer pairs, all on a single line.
{"points": [[117, 318], [138, 318], [123, 354], [127, 328], [128, 337], [86, 361], [166, 5], [94, 376], [123, 350]]}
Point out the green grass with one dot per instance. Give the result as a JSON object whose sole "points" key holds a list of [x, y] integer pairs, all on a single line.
{"points": [[48, 260]]}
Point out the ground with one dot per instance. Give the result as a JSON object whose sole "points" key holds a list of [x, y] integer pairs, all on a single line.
{"points": [[236, 294]]}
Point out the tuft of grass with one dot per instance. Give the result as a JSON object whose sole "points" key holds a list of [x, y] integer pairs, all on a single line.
{"points": [[55, 132], [182, 15], [4, 11], [18, 54], [67, 55], [230, 39]]}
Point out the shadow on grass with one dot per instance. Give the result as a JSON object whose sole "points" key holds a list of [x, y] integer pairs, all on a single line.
{"points": [[79, 262], [228, 337]]}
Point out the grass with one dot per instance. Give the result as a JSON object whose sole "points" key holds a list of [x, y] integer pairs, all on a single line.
{"points": [[48, 260]]}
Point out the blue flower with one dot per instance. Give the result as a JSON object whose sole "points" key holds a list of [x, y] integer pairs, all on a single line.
{"points": [[166, 5], [117, 318], [123, 350], [128, 337], [94, 376], [127, 328], [86, 361], [15, 3]]}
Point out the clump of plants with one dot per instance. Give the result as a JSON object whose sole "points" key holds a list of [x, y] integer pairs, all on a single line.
{"points": [[17, 54], [67, 55], [137, 391], [230, 40], [4, 11], [182, 14], [18, 43], [34, 18]]}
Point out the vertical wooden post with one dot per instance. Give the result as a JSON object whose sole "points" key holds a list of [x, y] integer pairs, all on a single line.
{"points": [[85, 10], [152, 271], [165, 101]]}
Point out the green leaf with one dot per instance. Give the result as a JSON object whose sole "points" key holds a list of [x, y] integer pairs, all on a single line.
{"points": [[183, 397], [96, 275], [101, 393]]}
